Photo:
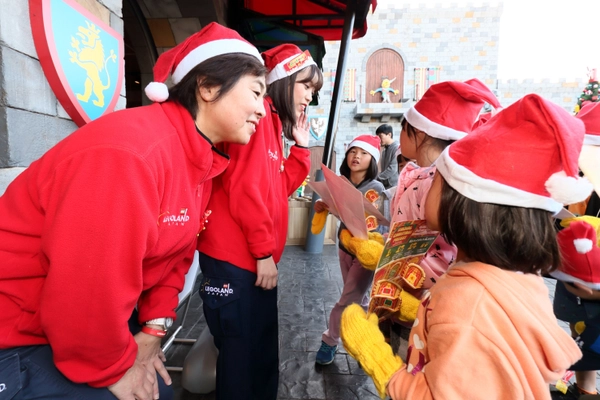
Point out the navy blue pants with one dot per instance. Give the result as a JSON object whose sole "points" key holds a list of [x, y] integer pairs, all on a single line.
{"points": [[28, 373], [243, 321]]}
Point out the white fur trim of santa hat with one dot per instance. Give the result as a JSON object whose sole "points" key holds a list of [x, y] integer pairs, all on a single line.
{"points": [[209, 50], [433, 129], [484, 190], [592, 140]]}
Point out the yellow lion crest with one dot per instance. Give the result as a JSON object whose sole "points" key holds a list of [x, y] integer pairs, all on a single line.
{"points": [[89, 55]]}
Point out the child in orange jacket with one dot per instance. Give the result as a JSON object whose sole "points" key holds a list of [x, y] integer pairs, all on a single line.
{"points": [[487, 326]]}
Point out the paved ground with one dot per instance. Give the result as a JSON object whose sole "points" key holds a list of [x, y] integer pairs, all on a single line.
{"points": [[309, 286]]}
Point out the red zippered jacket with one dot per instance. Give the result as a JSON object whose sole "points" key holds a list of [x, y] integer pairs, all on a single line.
{"points": [[249, 202], [106, 219]]}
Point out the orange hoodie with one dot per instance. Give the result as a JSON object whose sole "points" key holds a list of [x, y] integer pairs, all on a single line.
{"points": [[484, 333]]}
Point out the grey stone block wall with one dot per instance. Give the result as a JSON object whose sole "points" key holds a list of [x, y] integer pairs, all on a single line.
{"points": [[31, 118], [462, 40]]}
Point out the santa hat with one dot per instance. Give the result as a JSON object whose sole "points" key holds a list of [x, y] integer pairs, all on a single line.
{"points": [[284, 60], [369, 143], [213, 40], [580, 254], [589, 159], [590, 115], [525, 156], [449, 109]]}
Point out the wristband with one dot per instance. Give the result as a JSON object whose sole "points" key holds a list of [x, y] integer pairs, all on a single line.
{"points": [[154, 332]]}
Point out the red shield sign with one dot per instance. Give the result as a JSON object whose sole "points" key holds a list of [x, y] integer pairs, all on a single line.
{"points": [[81, 56]]}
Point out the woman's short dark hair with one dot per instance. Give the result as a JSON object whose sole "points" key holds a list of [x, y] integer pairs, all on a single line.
{"points": [[372, 171], [510, 238], [223, 71], [282, 93], [411, 131]]}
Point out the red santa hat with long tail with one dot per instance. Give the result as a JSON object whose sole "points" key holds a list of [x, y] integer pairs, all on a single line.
{"points": [[211, 41], [449, 109], [525, 156]]}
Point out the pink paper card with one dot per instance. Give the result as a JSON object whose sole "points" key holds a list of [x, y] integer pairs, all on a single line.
{"points": [[348, 201]]}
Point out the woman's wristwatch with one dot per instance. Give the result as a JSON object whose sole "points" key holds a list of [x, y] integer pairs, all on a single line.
{"points": [[163, 323]]}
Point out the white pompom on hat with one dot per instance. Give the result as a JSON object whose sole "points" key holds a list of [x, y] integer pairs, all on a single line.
{"points": [[284, 60], [449, 109], [369, 143], [211, 41], [524, 156]]}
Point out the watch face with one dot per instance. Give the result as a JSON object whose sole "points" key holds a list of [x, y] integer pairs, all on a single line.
{"points": [[168, 322]]}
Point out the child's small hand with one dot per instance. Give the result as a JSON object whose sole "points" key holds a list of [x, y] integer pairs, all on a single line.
{"points": [[321, 206], [582, 291], [364, 341]]}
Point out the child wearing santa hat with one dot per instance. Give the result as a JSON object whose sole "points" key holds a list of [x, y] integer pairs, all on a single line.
{"points": [[486, 327], [576, 297], [360, 167], [246, 236], [445, 113], [101, 230]]}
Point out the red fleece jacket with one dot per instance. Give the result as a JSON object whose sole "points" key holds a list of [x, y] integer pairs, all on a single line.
{"points": [[249, 201], [106, 219]]}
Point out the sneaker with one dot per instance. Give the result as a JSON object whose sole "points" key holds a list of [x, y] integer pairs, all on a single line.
{"points": [[325, 354]]}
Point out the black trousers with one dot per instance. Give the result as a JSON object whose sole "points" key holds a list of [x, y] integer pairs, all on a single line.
{"points": [[243, 321]]}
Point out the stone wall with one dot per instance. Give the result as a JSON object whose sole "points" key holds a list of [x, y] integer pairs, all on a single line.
{"points": [[462, 40], [31, 118]]}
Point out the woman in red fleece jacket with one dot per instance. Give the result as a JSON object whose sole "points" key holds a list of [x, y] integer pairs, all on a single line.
{"points": [[107, 221], [246, 235]]}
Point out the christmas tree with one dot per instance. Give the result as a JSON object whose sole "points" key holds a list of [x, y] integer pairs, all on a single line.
{"points": [[590, 93]]}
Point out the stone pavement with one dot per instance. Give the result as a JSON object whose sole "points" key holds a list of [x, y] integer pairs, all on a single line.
{"points": [[309, 286]]}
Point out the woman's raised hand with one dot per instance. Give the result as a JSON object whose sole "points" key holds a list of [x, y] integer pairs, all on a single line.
{"points": [[300, 131]]}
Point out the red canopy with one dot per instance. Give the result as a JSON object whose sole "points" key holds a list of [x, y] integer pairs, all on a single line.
{"points": [[323, 18]]}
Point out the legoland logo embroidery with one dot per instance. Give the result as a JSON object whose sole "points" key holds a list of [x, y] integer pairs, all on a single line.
{"points": [[224, 290], [179, 219], [273, 156], [82, 57]]}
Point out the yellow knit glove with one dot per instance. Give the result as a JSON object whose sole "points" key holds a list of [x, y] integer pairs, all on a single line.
{"points": [[318, 222], [408, 307], [367, 252], [376, 236], [364, 341]]}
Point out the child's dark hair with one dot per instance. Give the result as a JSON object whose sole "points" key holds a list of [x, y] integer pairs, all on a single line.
{"points": [[429, 141], [372, 171], [282, 93], [222, 71], [510, 238]]}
